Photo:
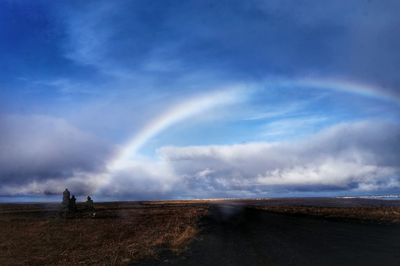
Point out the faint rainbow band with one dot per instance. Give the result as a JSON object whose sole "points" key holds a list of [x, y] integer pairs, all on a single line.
{"points": [[201, 103]]}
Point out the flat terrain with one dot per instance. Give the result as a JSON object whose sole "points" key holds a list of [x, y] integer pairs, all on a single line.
{"points": [[120, 233], [243, 232], [247, 236]]}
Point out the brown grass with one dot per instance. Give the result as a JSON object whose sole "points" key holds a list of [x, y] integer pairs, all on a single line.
{"points": [[120, 233], [387, 214]]}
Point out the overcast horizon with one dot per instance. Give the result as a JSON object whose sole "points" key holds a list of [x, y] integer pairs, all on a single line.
{"points": [[199, 99]]}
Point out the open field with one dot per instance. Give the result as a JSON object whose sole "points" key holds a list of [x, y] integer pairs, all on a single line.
{"points": [[368, 214], [232, 232], [365, 210], [34, 234]]}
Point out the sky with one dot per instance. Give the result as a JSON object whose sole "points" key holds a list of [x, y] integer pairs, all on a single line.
{"points": [[199, 99]]}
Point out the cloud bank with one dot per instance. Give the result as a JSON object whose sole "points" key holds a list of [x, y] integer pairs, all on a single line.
{"points": [[41, 154], [348, 157]]}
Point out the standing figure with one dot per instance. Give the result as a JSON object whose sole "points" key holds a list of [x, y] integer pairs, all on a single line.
{"points": [[90, 206], [72, 204]]}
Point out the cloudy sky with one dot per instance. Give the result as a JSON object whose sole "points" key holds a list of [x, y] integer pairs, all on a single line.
{"points": [[199, 99]]}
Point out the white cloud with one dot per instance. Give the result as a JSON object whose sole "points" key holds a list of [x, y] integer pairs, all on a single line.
{"points": [[359, 156], [142, 178], [329, 173]]}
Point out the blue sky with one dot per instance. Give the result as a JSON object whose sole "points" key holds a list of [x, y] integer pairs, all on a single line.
{"points": [[89, 85]]}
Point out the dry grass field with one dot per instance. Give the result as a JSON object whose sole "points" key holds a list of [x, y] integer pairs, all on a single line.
{"points": [[375, 214], [124, 233], [355, 209], [120, 233]]}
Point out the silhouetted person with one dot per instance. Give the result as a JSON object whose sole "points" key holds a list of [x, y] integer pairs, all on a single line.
{"points": [[90, 206], [72, 204], [89, 203]]}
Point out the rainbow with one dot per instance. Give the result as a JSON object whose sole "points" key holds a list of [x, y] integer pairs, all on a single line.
{"points": [[175, 114], [341, 85], [205, 102]]}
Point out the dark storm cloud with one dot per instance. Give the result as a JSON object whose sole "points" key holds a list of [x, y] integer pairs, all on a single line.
{"points": [[247, 39], [41, 149], [163, 42]]}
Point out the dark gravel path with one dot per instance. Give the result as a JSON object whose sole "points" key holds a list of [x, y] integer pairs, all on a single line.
{"points": [[243, 236]]}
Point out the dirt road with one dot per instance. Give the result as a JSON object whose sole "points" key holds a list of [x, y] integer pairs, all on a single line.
{"points": [[243, 236]]}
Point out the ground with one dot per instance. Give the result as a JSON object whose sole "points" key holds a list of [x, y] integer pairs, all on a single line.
{"points": [[243, 232], [120, 233]]}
